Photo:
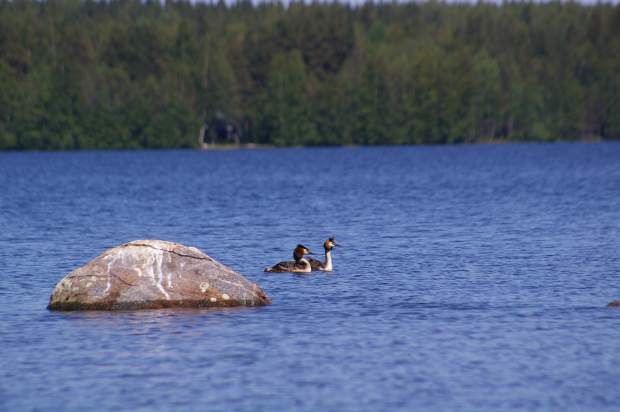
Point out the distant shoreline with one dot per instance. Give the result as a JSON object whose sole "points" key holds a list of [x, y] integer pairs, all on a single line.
{"points": [[230, 146], [257, 146]]}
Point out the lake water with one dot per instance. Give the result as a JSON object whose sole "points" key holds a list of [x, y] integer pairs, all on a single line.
{"points": [[469, 278]]}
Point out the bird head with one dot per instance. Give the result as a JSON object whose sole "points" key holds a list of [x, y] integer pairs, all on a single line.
{"points": [[300, 251], [329, 244]]}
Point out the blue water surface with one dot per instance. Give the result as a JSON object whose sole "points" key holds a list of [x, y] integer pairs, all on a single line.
{"points": [[470, 278]]}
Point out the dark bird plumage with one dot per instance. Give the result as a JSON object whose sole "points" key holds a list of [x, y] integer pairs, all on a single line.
{"points": [[298, 265]]}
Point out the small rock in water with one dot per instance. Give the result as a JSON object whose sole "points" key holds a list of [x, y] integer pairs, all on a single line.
{"points": [[149, 274], [614, 304]]}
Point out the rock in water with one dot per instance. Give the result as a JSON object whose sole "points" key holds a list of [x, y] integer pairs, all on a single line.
{"points": [[146, 274], [614, 304]]}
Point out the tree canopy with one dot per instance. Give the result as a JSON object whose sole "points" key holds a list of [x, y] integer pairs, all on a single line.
{"points": [[80, 74]]}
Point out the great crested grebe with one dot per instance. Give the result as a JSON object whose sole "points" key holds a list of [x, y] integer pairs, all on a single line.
{"points": [[326, 265], [299, 265]]}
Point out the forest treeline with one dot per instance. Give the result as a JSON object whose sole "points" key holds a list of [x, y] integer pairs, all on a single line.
{"points": [[130, 74]]}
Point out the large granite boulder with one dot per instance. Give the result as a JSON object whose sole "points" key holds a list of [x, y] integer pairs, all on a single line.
{"points": [[154, 274]]}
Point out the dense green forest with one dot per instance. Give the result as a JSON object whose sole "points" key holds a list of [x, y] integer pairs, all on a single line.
{"points": [[129, 74]]}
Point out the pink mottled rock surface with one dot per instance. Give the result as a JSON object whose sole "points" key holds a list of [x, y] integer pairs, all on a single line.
{"points": [[146, 274]]}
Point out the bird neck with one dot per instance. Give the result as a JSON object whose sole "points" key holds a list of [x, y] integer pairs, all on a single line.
{"points": [[306, 265], [327, 264]]}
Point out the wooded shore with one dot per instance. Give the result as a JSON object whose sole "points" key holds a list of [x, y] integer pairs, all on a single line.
{"points": [[131, 74]]}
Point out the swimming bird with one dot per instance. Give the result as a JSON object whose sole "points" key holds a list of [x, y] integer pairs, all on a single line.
{"points": [[326, 265], [299, 265]]}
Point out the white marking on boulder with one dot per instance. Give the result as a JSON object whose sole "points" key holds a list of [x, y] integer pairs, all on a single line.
{"points": [[170, 273], [204, 286], [225, 296], [109, 282], [158, 276], [213, 300]]}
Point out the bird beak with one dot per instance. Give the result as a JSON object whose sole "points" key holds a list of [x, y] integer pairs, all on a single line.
{"points": [[308, 252]]}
